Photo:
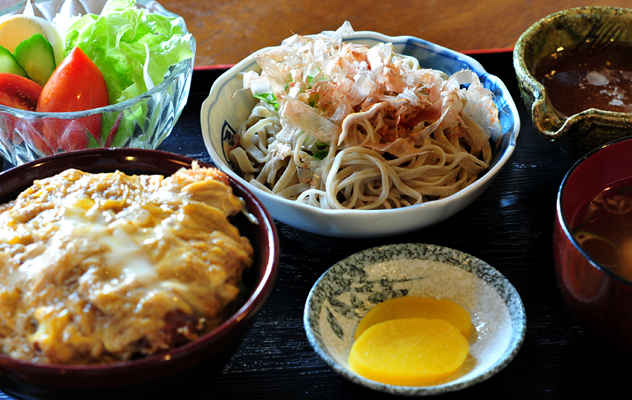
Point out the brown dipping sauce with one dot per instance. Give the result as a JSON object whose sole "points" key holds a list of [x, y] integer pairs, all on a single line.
{"points": [[578, 78]]}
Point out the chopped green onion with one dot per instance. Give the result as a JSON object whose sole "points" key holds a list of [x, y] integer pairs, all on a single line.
{"points": [[320, 150], [269, 98], [313, 100], [320, 155], [310, 78]]}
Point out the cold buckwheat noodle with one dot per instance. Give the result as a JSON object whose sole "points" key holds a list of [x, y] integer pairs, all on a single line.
{"points": [[348, 126]]}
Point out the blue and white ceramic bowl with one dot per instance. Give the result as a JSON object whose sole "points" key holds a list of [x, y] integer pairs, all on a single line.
{"points": [[349, 289], [226, 108]]}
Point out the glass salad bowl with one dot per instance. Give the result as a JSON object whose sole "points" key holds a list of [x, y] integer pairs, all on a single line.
{"points": [[143, 121]]}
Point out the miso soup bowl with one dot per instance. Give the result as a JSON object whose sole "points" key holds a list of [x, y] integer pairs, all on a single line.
{"points": [[597, 297], [598, 26]]}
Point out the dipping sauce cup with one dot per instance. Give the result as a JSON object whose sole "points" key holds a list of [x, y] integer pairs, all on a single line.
{"points": [[596, 43]]}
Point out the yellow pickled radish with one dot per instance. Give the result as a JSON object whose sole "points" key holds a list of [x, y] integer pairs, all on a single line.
{"points": [[409, 352], [417, 307], [16, 28]]}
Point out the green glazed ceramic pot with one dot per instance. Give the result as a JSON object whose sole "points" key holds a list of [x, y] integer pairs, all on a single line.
{"points": [[588, 129]]}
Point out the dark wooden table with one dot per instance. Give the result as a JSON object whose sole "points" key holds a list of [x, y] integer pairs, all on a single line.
{"points": [[509, 226]]}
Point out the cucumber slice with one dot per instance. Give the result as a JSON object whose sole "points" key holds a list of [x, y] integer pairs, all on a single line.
{"points": [[8, 64], [37, 57]]}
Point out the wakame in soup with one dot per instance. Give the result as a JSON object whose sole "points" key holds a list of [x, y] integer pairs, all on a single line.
{"points": [[603, 228]]}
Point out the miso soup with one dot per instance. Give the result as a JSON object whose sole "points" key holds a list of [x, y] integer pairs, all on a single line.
{"points": [[603, 228]]}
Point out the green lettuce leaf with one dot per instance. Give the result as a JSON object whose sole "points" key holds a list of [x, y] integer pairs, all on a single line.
{"points": [[117, 41]]}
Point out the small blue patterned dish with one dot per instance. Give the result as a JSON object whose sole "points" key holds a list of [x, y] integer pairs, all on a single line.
{"points": [[349, 289]]}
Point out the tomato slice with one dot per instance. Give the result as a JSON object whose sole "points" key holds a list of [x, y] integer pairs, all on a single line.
{"points": [[76, 85], [19, 92]]}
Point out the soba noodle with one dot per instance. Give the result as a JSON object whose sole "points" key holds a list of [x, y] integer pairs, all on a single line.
{"points": [[347, 126]]}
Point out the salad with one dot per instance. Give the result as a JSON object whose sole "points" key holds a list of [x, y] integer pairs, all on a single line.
{"points": [[83, 63]]}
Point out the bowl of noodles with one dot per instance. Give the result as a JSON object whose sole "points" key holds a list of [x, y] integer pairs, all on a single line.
{"points": [[357, 134]]}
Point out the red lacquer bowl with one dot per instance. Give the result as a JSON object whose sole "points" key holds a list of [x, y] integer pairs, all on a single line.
{"points": [[600, 299], [173, 374]]}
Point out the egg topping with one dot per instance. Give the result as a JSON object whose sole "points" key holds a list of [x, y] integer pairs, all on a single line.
{"points": [[107, 267]]}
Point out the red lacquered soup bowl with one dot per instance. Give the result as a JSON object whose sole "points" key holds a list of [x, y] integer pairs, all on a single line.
{"points": [[597, 297]]}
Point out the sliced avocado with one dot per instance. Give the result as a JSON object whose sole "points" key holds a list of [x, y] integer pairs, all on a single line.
{"points": [[8, 64], [36, 56]]}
